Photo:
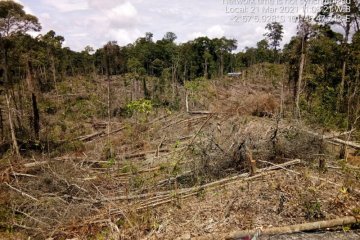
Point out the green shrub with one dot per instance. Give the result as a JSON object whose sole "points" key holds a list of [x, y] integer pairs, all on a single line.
{"points": [[140, 106]]}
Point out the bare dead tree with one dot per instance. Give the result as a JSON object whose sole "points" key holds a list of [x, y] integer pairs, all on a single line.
{"points": [[304, 32], [12, 129], [2, 136]]}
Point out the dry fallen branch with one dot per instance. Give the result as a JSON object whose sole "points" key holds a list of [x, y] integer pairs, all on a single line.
{"points": [[313, 177], [223, 182], [202, 112], [21, 192], [194, 191], [294, 228], [159, 198], [15, 174], [347, 143], [92, 136], [143, 154], [184, 121], [333, 139], [172, 179], [338, 134], [35, 164]]}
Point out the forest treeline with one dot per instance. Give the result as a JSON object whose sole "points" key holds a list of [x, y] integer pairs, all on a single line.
{"points": [[323, 65]]}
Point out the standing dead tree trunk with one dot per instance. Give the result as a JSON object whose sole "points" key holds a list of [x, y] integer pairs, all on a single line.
{"points": [[108, 95], [35, 110], [174, 68], [36, 116], [12, 129], [299, 82], [343, 73], [222, 64], [206, 69], [108, 76], [304, 28], [53, 70], [2, 136]]}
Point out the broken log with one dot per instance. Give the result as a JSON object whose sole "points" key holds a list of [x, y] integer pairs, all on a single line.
{"points": [[184, 121], [195, 189], [294, 228], [201, 112], [35, 164], [207, 113], [185, 192], [143, 154], [347, 143], [333, 139], [90, 137]]}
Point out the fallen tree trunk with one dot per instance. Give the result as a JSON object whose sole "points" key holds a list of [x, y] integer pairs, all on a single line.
{"points": [[223, 182], [200, 112], [207, 113], [347, 143], [184, 121], [90, 137], [294, 228], [143, 154], [333, 139], [195, 189], [35, 164]]}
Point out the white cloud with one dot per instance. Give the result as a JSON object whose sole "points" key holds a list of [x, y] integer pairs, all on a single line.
{"points": [[122, 16], [260, 30], [104, 4], [45, 16], [215, 31], [123, 36], [94, 22], [195, 35], [67, 5], [79, 35]]}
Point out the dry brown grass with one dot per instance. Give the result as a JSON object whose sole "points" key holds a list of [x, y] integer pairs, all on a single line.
{"points": [[86, 194]]}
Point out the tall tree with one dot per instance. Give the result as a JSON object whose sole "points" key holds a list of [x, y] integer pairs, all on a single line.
{"points": [[345, 14], [13, 21], [170, 36], [54, 44], [304, 28], [274, 34]]}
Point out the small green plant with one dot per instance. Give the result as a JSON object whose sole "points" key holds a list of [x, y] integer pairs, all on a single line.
{"points": [[346, 228], [176, 169], [195, 85], [111, 162], [164, 167], [177, 144], [313, 210], [140, 106], [137, 182], [201, 193], [108, 153], [129, 168]]}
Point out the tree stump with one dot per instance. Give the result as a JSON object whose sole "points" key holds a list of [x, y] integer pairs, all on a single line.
{"points": [[243, 159]]}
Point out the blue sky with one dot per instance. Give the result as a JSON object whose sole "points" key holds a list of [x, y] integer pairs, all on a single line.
{"points": [[94, 22]]}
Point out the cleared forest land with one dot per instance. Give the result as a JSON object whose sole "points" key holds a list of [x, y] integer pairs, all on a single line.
{"points": [[222, 161]]}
